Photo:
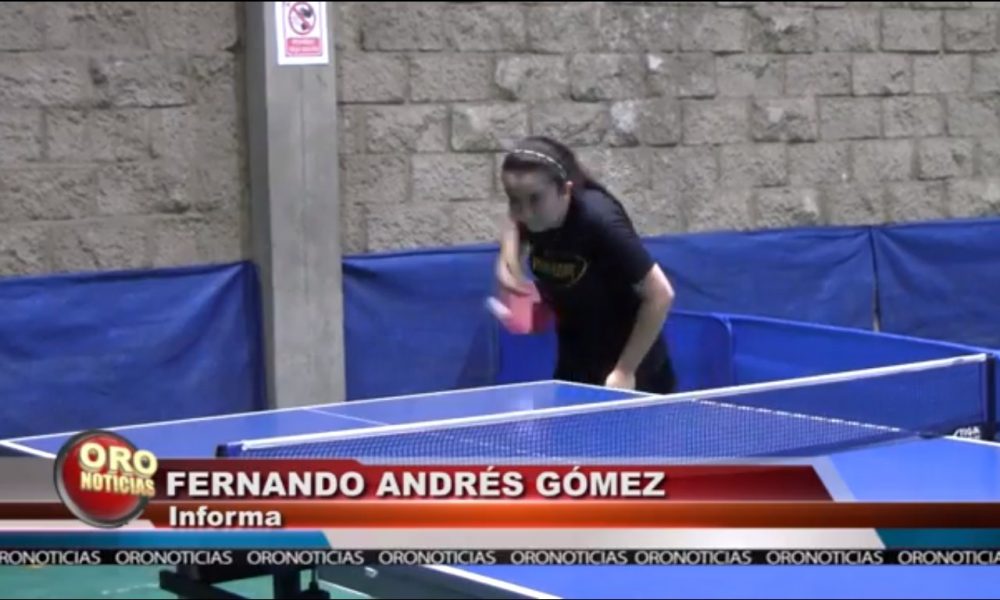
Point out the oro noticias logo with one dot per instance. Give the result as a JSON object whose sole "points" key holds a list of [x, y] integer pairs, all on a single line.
{"points": [[103, 479]]}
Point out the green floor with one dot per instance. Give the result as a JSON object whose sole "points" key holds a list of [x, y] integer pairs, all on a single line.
{"points": [[112, 582]]}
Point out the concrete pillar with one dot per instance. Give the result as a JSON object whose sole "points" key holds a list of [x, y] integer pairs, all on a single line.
{"points": [[295, 211]]}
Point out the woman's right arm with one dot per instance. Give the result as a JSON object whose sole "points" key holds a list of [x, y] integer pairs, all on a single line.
{"points": [[509, 274]]}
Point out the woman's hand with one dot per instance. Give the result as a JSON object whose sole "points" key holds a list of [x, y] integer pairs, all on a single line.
{"points": [[511, 279], [620, 379]]}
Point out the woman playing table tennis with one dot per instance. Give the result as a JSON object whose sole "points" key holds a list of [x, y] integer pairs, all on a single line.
{"points": [[609, 297]]}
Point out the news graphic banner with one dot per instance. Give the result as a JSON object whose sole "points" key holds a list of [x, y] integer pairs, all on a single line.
{"points": [[472, 557], [103, 480], [134, 508]]}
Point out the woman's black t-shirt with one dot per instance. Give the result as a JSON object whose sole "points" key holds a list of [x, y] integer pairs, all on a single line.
{"points": [[587, 270]]}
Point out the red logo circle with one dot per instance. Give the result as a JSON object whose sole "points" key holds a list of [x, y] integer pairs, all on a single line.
{"points": [[103, 479]]}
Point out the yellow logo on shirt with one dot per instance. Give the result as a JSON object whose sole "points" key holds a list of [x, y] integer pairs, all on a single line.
{"points": [[559, 270]]}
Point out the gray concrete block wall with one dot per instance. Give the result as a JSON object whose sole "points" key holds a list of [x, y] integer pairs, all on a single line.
{"points": [[702, 116], [122, 125], [121, 135]]}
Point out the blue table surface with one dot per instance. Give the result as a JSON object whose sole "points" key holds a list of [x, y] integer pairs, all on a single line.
{"points": [[932, 470], [909, 470], [198, 438]]}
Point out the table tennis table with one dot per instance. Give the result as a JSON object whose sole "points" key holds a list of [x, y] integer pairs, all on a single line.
{"points": [[902, 467]]}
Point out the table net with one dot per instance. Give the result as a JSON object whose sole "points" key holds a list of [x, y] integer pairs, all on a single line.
{"points": [[797, 417]]}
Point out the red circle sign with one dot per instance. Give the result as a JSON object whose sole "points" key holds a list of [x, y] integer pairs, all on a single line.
{"points": [[103, 479], [302, 18]]}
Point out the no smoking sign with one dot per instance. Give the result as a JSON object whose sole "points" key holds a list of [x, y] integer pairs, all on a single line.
{"points": [[302, 18], [302, 33]]}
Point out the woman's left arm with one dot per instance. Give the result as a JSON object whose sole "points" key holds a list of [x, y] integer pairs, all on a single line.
{"points": [[657, 297], [621, 244]]}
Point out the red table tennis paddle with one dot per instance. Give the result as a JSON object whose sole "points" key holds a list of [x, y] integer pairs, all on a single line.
{"points": [[521, 313]]}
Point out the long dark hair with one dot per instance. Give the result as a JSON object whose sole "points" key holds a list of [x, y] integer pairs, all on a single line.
{"points": [[559, 162]]}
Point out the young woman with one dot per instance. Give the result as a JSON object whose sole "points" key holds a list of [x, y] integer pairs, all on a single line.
{"points": [[609, 297]]}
